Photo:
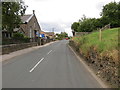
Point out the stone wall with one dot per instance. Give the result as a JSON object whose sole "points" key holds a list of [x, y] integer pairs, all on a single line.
{"points": [[6, 49], [81, 33], [105, 65]]}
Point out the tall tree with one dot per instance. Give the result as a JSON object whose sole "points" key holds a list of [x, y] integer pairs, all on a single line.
{"points": [[62, 35], [75, 26], [111, 12], [11, 12]]}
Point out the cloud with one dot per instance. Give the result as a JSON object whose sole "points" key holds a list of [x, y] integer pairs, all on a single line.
{"points": [[100, 5], [60, 14], [58, 27], [50, 26], [37, 0]]}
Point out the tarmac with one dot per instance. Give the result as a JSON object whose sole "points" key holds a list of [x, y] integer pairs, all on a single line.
{"points": [[20, 52]]}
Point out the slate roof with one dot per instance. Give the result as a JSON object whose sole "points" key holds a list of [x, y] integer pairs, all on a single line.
{"points": [[26, 18], [50, 33]]}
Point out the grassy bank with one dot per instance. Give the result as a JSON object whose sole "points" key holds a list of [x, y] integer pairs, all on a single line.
{"points": [[102, 55], [109, 41]]}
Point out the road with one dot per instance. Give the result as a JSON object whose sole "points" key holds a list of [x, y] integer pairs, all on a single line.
{"points": [[53, 66]]}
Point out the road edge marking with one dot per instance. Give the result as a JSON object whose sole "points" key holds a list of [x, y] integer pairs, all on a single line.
{"points": [[36, 65], [87, 67]]}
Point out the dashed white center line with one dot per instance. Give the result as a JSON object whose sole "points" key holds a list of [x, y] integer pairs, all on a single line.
{"points": [[36, 65], [40, 61], [49, 52]]}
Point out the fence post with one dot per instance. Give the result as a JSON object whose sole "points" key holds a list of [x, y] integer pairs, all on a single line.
{"points": [[100, 35]]}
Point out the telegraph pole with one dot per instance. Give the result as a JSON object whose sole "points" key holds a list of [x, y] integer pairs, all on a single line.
{"points": [[53, 32], [52, 29]]}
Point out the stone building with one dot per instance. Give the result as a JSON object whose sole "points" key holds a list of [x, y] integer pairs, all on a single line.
{"points": [[51, 35], [29, 27]]}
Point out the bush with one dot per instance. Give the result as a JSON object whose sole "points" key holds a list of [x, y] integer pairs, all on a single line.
{"points": [[18, 36], [26, 39]]}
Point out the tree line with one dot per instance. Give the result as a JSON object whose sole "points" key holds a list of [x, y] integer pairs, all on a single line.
{"points": [[61, 36], [11, 13], [110, 15]]}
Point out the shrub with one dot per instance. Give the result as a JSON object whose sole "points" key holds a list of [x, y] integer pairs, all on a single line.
{"points": [[26, 39], [18, 36]]}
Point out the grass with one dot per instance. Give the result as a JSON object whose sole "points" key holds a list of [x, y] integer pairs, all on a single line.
{"points": [[109, 41]]}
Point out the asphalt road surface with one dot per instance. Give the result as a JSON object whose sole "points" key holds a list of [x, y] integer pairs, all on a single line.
{"points": [[53, 66]]}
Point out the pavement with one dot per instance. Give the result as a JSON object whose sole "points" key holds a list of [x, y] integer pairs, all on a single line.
{"points": [[51, 66], [20, 52]]}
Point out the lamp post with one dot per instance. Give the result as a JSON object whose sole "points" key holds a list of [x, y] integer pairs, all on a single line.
{"points": [[53, 29]]}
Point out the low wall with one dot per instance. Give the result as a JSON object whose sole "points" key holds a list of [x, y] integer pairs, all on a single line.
{"points": [[105, 65], [6, 49], [81, 33]]}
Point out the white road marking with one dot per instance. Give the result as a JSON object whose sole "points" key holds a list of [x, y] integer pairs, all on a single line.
{"points": [[36, 65], [39, 62], [49, 52]]}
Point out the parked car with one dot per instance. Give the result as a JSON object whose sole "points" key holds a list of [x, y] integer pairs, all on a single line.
{"points": [[66, 38]]}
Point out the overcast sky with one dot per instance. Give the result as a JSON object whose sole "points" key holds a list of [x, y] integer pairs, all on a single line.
{"points": [[60, 14]]}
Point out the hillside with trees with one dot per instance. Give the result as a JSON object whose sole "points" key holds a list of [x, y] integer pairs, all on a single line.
{"points": [[61, 36], [110, 15], [100, 49]]}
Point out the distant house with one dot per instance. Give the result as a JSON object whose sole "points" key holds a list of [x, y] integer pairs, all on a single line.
{"points": [[29, 27], [51, 35]]}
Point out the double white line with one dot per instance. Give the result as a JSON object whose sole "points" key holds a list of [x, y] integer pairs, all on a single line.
{"points": [[40, 61]]}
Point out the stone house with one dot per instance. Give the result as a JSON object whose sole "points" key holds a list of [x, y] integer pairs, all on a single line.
{"points": [[51, 35], [29, 27]]}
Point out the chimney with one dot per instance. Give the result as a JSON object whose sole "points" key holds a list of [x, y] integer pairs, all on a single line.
{"points": [[33, 11]]}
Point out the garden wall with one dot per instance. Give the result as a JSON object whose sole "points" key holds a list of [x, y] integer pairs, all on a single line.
{"points": [[6, 49]]}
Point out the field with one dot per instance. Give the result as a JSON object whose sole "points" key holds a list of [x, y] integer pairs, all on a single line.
{"points": [[109, 41], [101, 54]]}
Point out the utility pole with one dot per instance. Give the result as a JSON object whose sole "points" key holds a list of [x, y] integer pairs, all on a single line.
{"points": [[53, 32], [52, 29]]}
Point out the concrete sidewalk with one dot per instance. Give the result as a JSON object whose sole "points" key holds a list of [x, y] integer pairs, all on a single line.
{"points": [[20, 52]]}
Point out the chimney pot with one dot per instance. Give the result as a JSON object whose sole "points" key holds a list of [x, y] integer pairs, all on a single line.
{"points": [[33, 11]]}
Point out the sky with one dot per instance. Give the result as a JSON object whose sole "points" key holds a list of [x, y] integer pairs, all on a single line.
{"points": [[58, 15]]}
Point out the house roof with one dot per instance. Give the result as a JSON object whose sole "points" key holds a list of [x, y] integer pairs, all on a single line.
{"points": [[50, 33], [42, 32], [26, 18]]}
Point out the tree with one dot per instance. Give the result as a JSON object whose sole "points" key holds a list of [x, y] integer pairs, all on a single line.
{"points": [[11, 12], [110, 15], [111, 12], [89, 25], [62, 35], [75, 26]]}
